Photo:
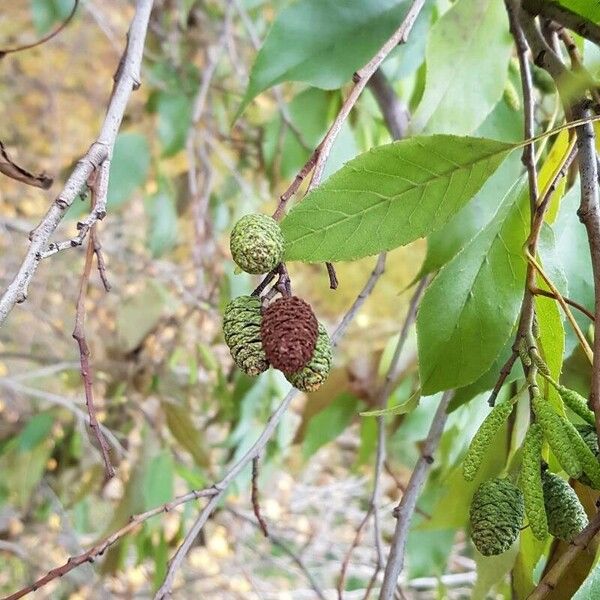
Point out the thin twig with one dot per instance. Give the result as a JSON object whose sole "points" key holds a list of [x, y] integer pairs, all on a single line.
{"points": [[528, 157], [11, 169], [89, 556], [406, 508], [569, 301], [255, 499], [127, 79], [84, 353], [589, 215], [556, 12], [318, 158], [16, 387], [277, 541], [46, 38]]}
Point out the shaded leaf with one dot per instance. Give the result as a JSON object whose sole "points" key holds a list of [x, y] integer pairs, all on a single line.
{"points": [[472, 37], [47, 12], [162, 213], [174, 117], [322, 42], [158, 480], [128, 168], [327, 424], [585, 8], [389, 197], [469, 310], [36, 430], [183, 430]]}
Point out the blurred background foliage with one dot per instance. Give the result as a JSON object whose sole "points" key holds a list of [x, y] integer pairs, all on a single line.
{"points": [[184, 169]]}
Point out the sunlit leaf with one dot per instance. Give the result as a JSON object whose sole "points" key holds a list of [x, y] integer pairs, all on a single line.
{"points": [[469, 310], [472, 37], [390, 196]]}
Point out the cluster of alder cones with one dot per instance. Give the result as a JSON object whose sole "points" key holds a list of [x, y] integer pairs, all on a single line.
{"points": [[547, 500], [284, 333]]}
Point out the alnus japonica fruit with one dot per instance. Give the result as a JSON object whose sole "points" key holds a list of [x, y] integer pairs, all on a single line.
{"points": [[256, 244], [496, 516], [312, 376], [530, 481], [566, 517], [289, 332], [590, 439], [241, 328], [558, 436], [484, 437]]}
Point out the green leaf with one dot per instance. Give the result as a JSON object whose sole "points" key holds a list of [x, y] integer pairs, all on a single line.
{"points": [[444, 244], [36, 430], [128, 168], [308, 112], [492, 570], [469, 310], [590, 587], [398, 409], [467, 66], [586, 8], [573, 251], [322, 42], [47, 12], [174, 117], [183, 430], [327, 424], [390, 196]]}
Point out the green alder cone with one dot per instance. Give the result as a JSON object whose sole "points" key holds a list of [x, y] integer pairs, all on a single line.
{"points": [[557, 436], [531, 482], [257, 244], [241, 330], [496, 516], [566, 516], [577, 403], [591, 467], [483, 438], [311, 377]]}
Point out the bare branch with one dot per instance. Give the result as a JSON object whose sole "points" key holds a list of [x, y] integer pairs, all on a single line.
{"points": [[552, 577], [395, 112], [255, 500], [9, 168], [405, 510], [318, 158], [127, 79]]}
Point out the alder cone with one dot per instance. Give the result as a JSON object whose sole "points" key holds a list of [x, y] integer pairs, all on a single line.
{"points": [[241, 330], [566, 516], [312, 376], [257, 244], [496, 516], [289, 333]]}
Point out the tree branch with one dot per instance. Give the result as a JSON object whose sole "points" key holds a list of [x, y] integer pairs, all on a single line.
{"points": [[552, 577], [126, 80], [571, 20], [317, 160], [589, 215], [406, 508]]}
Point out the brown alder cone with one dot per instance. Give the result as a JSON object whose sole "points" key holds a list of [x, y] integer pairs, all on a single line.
{"points": [[289, 331]]}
